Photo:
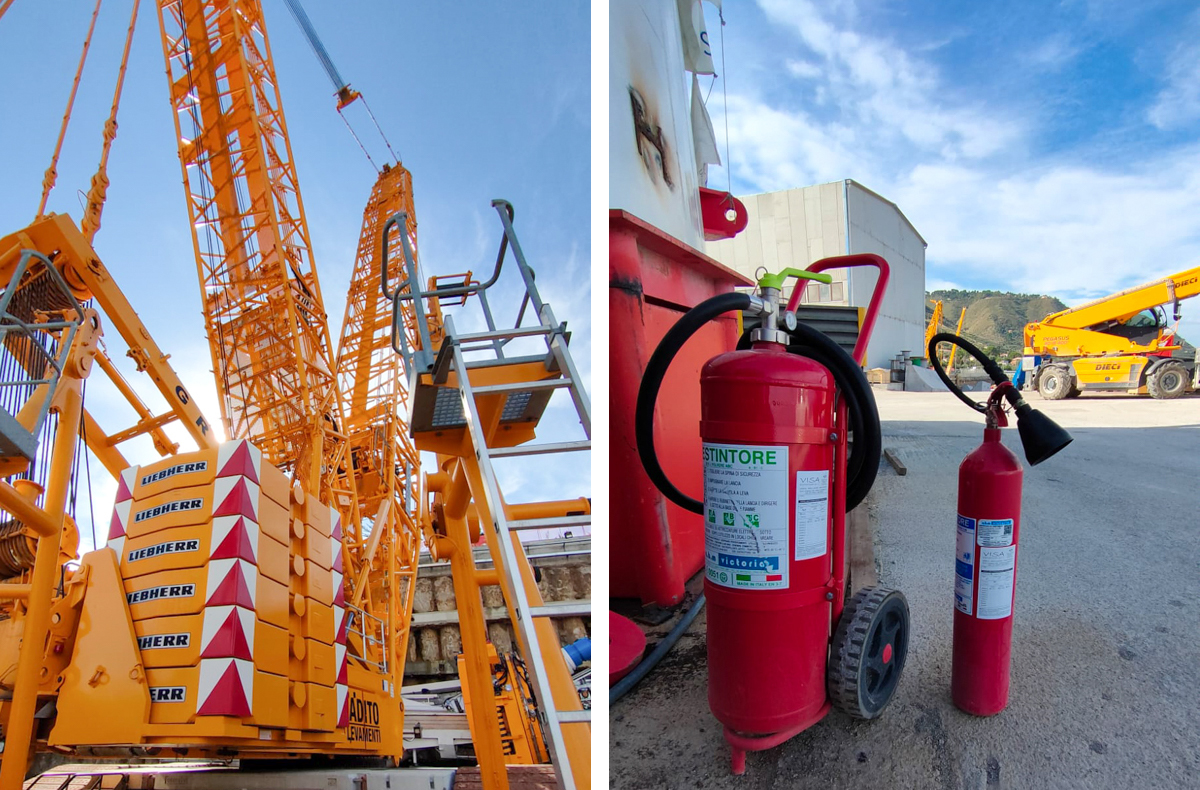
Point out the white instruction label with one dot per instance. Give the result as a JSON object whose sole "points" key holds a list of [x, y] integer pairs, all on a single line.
{"points": [[746, 516], [995, 532], [997, 570], [964, 565], [812, 514]]}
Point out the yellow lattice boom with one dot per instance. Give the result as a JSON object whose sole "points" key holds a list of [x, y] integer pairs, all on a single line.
{"points": [[263, 309], [373, 383]]}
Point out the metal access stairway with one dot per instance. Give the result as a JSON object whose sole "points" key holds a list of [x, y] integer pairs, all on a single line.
{"points": [[483, 411]]}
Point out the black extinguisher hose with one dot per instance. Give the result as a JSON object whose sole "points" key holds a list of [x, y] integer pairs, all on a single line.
{"points": [[866, 450], [652, 378], [989, 366]]}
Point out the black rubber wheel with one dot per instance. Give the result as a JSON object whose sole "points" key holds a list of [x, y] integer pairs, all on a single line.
{"points": [[1168, 380], [867, 656], [1055, 383]]}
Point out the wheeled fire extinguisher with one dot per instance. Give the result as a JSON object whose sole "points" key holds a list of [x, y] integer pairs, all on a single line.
{"points": [[989, 524], [791, 442]]}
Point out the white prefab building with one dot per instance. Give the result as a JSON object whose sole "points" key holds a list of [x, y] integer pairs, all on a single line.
{"points": [[798, 226]]}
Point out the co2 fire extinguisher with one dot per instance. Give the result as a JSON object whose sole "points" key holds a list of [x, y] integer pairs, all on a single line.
{"points": [[780, 472], [989, 523]]}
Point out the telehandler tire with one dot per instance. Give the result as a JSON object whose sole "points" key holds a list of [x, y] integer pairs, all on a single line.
{"points": [[1056, 383], [1168, 380]]}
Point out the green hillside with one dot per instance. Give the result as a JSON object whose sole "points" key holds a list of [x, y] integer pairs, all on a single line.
{"points": [[995, 319]]}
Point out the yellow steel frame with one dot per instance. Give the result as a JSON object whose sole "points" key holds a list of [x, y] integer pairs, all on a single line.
{"points": [[32, 597]]}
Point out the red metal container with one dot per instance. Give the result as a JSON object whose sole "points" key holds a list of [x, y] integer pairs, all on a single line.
{"points": [[989, 520], [653, 280], [775, 539]]}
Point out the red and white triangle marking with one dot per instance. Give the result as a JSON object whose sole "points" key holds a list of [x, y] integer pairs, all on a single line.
{"points": [[340, 624], [335, 552], [235, 496], [125, 483], [231, 583], [228, 632], [226, 687], [339, 591], [234, 537], [239, 459], [339, 661], [343, 704]]}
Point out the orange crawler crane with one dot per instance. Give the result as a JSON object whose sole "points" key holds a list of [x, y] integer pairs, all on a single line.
{"points": [[254, 597]]}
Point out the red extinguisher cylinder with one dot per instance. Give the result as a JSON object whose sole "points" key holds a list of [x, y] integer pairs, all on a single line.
{"points": [[989, 516], [767, 423]]}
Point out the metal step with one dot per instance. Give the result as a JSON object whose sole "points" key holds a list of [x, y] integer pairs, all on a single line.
{"points": [[523, 386], [504, 334], [557, 522], [574, 716], [564, 609], [540, 449]]}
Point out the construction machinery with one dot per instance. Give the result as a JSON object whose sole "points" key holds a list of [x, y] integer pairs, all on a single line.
{"points": [[1127, 341], [254, 597]]}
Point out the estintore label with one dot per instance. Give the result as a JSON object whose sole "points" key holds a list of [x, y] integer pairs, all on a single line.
{"points": [[964, 566], [170, 547], [169, 507], [178, 469], [158, 641], [746, 516], [158, 593], [168, 693]]}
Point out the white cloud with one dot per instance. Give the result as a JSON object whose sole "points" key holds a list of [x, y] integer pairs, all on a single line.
{"points": [[1053, 52], [1070, 224], [1178, 104], [1061, 230], [875, 82]]}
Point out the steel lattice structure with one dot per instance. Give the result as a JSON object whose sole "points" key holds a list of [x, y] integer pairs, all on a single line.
{"points": [[263, 309], [375, 393]]}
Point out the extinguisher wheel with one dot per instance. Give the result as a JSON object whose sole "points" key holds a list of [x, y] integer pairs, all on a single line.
{"points": [[868, 651]]}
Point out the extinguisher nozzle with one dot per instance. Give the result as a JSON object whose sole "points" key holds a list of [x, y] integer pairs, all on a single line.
{"points": [[1041, 436]]}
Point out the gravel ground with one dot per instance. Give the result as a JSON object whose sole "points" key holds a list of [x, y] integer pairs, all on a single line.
{"points": [[1106, 663]]}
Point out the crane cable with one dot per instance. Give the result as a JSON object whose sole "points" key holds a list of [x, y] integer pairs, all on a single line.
{"points": [[51, 176], [346, 95], [99, 190]]}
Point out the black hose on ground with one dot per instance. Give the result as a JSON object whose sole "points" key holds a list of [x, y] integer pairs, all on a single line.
{"points": [[660, 650]]}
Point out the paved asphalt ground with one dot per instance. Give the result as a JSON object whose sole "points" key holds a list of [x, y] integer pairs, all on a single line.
{"points": [[1106, 644]]}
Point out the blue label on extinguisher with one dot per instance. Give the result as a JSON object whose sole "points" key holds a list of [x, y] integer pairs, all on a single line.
{"points": [[964, 566]]}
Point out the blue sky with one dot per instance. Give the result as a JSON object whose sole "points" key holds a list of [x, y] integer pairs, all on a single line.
{"points": [[486, 102], [1037, 147]]}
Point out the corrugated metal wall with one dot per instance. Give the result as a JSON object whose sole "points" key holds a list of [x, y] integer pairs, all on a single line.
{"points": [[798, 226]]}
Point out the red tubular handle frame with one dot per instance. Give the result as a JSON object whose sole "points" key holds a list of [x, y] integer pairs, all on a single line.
{"points": [[849, 262]]}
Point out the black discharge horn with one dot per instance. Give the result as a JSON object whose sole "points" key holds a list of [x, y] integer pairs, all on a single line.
{"points": [[1041, 436]]}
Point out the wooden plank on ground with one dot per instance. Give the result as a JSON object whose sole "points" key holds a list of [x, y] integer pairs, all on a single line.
{"points": [[861, 542], [894, 459]]}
